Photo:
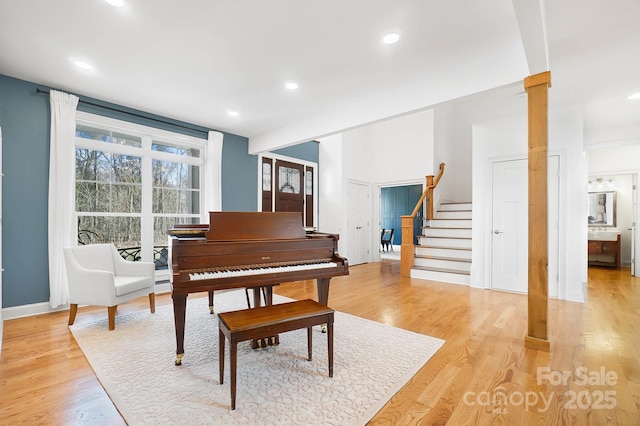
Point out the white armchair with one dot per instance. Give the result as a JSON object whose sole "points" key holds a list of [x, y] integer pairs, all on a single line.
{"points": [[98, 275]]}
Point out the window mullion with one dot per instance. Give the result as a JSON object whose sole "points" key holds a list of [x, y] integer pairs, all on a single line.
{"points": [[147, 201]]}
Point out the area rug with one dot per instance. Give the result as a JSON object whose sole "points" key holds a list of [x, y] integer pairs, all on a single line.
{"points": [[275, 386]]}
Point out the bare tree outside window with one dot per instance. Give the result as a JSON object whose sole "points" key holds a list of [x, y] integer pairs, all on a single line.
{"points": [[110, 189]]}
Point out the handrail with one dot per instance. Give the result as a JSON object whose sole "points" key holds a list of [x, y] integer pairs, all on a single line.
{"points": [[428, 191], [407, 248]]}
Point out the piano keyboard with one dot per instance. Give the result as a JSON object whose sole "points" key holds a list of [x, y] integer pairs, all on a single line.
{"points": [[240, 272]]}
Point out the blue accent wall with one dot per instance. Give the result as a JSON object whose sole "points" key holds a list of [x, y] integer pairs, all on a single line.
{"points": [[25, 122], [24, 117], [239, 175], [309, 151]]}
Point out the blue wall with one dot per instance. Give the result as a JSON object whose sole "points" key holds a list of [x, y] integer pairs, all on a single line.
{"points": [[308, 151], [25, 122]]}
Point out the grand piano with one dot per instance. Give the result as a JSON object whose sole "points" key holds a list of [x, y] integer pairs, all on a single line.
{"points": [[251, 250]]}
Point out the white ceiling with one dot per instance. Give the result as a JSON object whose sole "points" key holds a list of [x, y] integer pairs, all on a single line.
{"points": [[195, 60]]}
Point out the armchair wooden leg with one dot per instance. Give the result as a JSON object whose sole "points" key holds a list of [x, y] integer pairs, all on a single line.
{"points": [[152, 302], [73, 310], [112, 317]]}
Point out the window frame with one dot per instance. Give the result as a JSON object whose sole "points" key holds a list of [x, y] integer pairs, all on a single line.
{"points": [[148, 136]]}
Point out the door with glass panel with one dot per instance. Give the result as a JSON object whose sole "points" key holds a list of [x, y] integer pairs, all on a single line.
{"points": [[289, 187]]}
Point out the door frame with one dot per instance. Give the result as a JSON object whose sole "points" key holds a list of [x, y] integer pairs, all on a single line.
{"points": [[375, 219], [561, 275], [635, 194], [290, 160], [349, 243]]}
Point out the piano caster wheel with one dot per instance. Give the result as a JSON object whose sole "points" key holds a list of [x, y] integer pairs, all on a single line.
{"points": [[323, 328], [211, 309], [179, 359]]}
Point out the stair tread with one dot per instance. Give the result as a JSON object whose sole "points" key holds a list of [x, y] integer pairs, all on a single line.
{"points": [[455, 259], [445, 270], [443, 227], [444, 247], [453, 238]]}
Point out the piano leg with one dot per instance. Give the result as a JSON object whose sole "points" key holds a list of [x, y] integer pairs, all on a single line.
{"points": [[179, 311], [323, 295], [323, 290], [211, 302]]}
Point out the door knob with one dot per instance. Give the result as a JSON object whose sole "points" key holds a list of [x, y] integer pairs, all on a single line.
{"points": [[497, 232]]}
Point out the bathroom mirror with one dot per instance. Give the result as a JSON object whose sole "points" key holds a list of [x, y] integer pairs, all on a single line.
{"points": [[602, 208]]}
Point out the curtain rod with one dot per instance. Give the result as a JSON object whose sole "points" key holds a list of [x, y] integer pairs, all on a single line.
{"points": [[45, 92]]}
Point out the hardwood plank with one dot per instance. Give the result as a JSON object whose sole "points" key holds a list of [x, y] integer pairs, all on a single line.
{"points": [[45, 379]]}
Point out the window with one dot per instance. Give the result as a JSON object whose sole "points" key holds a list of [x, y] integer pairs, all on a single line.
{"points": [[133, 183]]}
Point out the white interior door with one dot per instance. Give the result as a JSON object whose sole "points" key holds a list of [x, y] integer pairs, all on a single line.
{"points": [[635, 262], [358, 223], [510, 211]]}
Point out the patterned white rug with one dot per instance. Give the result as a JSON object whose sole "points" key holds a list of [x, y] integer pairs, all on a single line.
{"points": [[276, 386]]}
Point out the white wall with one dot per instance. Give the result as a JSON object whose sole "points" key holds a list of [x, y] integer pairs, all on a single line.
{"points": [[331, 216], [392, 150], [398, 150], [507, 139], [452, 146]]}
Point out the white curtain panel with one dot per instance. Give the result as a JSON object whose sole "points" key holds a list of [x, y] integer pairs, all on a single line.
{"points": [[213, 173], [61, 191]]}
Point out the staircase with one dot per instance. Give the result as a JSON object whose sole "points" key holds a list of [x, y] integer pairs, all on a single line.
{"points": [[443, 252]]}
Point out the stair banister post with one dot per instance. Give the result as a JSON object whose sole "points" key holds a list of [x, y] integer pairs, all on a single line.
{"points": [[407, 247], [430, 186]]}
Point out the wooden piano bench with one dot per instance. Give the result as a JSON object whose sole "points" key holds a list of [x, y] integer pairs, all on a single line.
{"points": [[266, 321]]}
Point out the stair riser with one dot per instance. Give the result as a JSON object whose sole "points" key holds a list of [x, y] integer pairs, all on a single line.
{"points": [[443, 214], [449, 223], [446, 242], [455, 206], [444, 264], [441, 276], [437, 232], [443, 252]]}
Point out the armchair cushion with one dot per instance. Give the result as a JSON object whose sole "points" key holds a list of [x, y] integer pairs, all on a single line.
{"points": [[126, 285]]}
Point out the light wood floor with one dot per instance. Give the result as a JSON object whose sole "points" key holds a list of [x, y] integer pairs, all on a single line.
{"points": [[45, 379]]}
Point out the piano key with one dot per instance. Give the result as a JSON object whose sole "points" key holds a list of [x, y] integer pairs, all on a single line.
{"points": [[259, 271]]}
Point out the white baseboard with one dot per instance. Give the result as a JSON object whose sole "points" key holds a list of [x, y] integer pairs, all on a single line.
{"points": [[22, 311]]}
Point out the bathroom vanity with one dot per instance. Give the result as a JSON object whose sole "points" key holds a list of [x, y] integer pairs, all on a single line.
{"points": [[604, 249]]}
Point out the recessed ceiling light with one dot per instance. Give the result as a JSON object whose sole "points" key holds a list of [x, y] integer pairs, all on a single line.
{"points": [[233, 113], [634, 96], [83, 65], [116, 3], [391, 38], [292, 85]]}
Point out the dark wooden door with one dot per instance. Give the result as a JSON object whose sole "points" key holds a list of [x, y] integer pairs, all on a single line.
{"points": [[289, 187]]}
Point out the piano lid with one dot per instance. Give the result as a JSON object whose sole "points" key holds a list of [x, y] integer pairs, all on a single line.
{"points": [[229, 226]]}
